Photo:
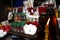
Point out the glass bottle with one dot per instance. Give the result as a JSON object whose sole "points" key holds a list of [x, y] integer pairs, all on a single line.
{"points": [[52, 24], [42, 22]]}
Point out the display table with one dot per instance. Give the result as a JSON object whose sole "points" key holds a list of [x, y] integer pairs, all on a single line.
{"points": [[24, 35]]}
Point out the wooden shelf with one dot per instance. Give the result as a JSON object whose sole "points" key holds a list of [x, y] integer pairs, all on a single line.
{"points": [[24, 35]]}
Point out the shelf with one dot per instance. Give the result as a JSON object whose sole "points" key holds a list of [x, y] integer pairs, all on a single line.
{"points": [[24, 35]]}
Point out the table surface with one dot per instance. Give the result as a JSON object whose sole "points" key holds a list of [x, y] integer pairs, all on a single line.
{"points": [[23, 35]]}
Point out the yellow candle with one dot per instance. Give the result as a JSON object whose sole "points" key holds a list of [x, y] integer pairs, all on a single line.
{"points": [[47, 30]]}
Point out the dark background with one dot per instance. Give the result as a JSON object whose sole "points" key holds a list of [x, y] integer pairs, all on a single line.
{"points": [[8, 2]]}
